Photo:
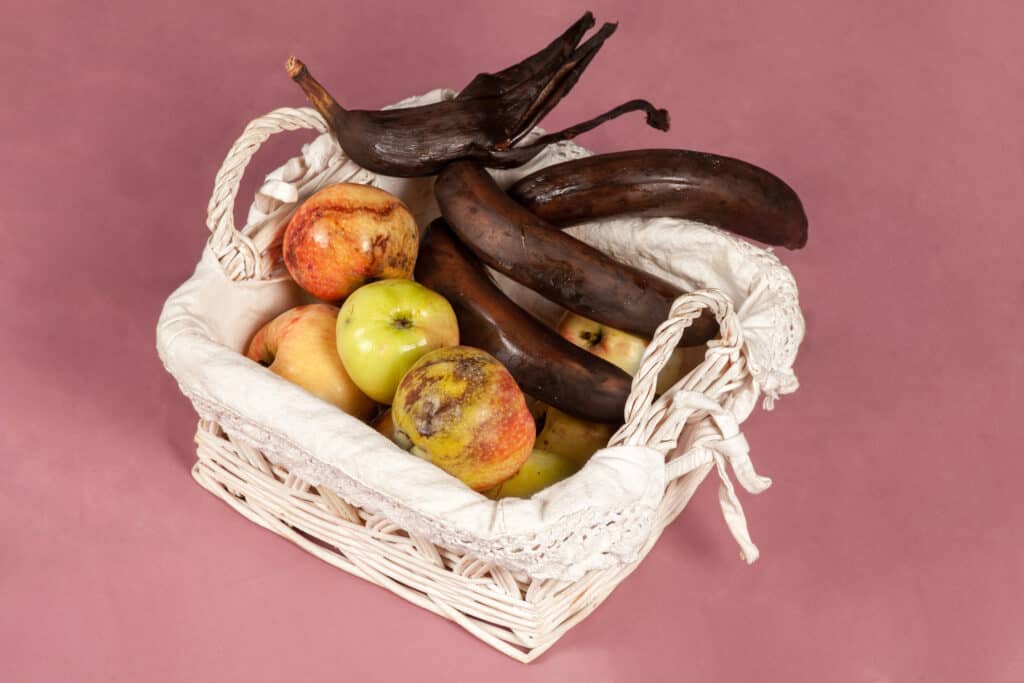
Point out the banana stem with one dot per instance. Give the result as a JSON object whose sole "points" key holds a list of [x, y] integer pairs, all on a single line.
{"points": [[315, 93]]}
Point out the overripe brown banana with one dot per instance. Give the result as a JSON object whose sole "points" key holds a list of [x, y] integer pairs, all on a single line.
{"points": [[544, 364], [483, 123], [554, 264], [720, 191]]}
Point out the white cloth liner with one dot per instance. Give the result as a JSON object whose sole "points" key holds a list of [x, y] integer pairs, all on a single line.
{"points": [[598, 518]]}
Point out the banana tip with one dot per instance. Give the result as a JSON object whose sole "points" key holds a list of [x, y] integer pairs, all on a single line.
{"points": [[294, 66], [658, 118]]}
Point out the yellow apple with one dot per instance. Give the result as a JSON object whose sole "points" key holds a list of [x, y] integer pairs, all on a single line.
{"points": [[541, 470], [299, 345], [680, 363], [572, 437], [463, 411], [617, 347], [579, 439], [626, 350]]}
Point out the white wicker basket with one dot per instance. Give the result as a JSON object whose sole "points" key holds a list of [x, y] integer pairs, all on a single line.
{"points": [[694, 427]]}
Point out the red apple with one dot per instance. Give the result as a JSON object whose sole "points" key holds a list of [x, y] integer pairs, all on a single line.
{"points": [[299, 345], [346, 235]]}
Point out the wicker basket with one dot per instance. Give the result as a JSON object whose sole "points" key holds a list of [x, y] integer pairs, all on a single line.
{"points": [[693, 426]]}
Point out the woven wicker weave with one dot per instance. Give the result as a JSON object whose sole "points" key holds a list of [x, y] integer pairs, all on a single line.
{"points": [[519, 616]]}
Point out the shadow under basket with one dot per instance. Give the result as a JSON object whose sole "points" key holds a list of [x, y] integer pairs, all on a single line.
{"points": [[684, 434]]}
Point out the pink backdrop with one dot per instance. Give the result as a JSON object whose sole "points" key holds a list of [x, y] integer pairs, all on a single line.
{"points": [[891, 538]]}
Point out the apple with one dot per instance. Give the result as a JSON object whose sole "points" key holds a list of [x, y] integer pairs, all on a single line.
{"points": [[541, 470], [626, 350], [572, 437], [680, 363], [299, 345], [386, 326], [579, 439], [386, 426], [346, 235], [463, 411], [617, 347]]}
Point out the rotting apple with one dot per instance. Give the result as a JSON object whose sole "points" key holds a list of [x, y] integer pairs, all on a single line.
{"points": [[541, 470], [299, 345], [346, 235], [386, 326], [463, 411]]}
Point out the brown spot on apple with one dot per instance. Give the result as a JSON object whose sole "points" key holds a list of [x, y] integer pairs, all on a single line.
{"points": [[460, 406]]}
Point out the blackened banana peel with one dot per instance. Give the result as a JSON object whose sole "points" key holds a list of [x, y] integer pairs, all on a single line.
{"points": [[544, 364], [727, 193], [552, 263], [483, 124]]}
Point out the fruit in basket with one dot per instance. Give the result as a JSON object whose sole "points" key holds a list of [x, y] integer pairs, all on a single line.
{"points": [[626, 350], [572, 437], [577, 438], [720, 191], [386, 326], [299, 345], [546, 366], [617, 347], [386, 426], [487, 119], [464, 412], [554, 264], [541, 470], [680, 363], [346, 235]]}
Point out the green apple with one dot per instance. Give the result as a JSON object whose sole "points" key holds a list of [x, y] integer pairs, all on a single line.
{"points": [[541, 470], [385, 327]]}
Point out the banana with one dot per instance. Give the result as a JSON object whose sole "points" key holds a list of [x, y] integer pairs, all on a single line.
{"points": [[720, 191], [568, 272], [544, 364], [483, 123]]}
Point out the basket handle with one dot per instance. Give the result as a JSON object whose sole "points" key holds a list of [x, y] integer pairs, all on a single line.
{"points": [[718, 440], [236, 252], [645, 417]]}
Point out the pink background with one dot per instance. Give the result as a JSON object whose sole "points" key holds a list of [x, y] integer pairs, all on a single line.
{"points": [[891, 540]]}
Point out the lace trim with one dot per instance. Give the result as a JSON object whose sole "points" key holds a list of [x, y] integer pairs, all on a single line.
{"points": [[566, 549]]}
